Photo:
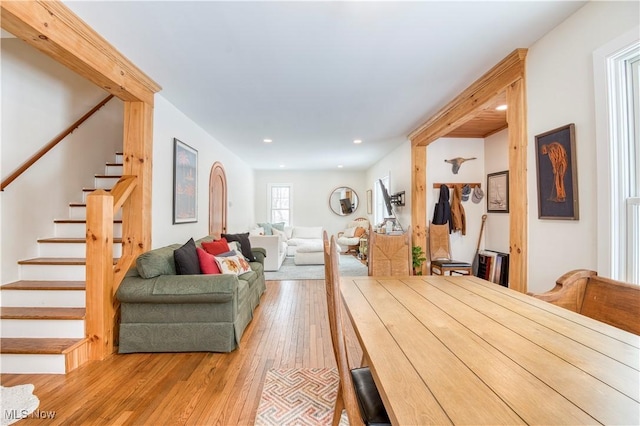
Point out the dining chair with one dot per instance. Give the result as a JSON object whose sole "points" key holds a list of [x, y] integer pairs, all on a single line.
{"points": [[440, 253], [357, 392], [390, 254]]}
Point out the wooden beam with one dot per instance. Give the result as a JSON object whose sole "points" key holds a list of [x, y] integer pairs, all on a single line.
{"points": [[419, 198], [471, 100], [138, 149], [52, 28], [518, 202]]}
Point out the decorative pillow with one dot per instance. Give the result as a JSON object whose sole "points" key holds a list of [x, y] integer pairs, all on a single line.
{"points": [[215, 247], [234, 264], [186, 259], [279, 226], [245, 244], [256, 232], [267, 227], [349, 232], [207, 261], [234, 246], [359, 232]]}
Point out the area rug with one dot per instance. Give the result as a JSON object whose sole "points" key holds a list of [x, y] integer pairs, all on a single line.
{"points": [[16, 403], [298, 396], [349, 267]]}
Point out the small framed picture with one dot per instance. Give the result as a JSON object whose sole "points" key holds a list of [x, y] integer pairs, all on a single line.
{"points": [[498, 192], [557, 174]]}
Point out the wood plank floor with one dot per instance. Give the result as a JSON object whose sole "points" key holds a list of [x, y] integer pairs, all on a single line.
{"points": [[289, 329]]}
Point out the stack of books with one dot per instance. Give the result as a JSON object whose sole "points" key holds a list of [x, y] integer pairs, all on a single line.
{"points": [[494, 266]]}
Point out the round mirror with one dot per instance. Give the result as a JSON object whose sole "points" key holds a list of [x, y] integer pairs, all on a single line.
{"points": [[343, 201]]}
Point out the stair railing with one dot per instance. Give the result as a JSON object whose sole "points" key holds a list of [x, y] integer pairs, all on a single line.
{"points": [[103, 275], [38, 155]]}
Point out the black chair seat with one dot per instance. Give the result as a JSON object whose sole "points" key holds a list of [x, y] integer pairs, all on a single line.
{"points": [[371, 405], [451, 263]]}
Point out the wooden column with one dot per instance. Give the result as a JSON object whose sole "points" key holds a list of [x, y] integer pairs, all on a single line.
{"points": [[419, 198], [518, 203], [100, 311], [138, 153]]}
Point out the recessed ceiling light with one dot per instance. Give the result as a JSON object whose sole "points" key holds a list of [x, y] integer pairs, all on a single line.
{"points": [[501, 108], [267, 140], [281, 166], [340, 166], [357, 141]]}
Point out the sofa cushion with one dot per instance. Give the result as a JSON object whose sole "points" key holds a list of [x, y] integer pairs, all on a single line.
{"points": [[245, 244], [186, 259], [215, 247], [234, 264], [207, 261], [157, 262], [307, 232]]}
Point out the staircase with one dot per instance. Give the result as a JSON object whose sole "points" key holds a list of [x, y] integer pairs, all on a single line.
{"points": [[42, 318]]}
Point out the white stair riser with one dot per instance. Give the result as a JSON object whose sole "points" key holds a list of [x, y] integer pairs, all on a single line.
{"points": [[113, 170], [80, 212], [32, 364], [79, 230], [70, 249], [44, 298], [53, 272], [42, 328], [119, 159], [105, 183]]}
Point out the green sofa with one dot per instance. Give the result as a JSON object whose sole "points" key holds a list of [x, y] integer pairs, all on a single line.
{"points": [[165, 312]]}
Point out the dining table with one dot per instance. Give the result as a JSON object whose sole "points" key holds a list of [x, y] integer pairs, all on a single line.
{"points": [[463, 350]]}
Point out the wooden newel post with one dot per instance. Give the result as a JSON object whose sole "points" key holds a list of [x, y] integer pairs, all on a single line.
{"points": [[100, 310]]}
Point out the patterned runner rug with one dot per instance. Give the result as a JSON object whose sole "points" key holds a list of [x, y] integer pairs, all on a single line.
{"points": [[298, 396]]}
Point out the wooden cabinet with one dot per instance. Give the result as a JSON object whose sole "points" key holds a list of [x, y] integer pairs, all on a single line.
{"points": [[390, 254]]}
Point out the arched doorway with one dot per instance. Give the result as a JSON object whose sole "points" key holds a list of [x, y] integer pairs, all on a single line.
{"points": [[217, 200]]}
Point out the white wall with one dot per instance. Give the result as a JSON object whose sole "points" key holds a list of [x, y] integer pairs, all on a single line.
{"points": [[397, 165], [463, 247], [170, 123], [311, 191], [40, 98], [560, 90], [496, 159]]}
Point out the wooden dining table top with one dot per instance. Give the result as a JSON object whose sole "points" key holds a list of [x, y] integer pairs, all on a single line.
{"points": [[462, 350]]}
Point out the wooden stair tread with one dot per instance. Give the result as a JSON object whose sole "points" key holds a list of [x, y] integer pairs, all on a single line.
{"points": [[71, 240], [44, 285], [42, 313], [50, 346], [108, 176], [57, 261], [80, 221], [114, 164]]}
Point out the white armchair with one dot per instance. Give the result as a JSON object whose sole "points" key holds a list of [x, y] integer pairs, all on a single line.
{"points": [[349, 239]]}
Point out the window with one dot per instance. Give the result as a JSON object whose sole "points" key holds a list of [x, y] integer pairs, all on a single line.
{"points": [[280, 203], [619, 146]]}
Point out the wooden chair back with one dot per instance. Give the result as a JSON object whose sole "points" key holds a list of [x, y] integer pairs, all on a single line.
{"points": [[613, 302], [390, 254], [329, 288], [346, 398], [439, 245]]}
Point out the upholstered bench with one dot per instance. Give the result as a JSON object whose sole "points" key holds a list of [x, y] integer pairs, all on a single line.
{"points": [[309, 253]]}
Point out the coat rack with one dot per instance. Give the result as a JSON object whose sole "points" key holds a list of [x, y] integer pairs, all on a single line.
{"points": [[452, 185]]}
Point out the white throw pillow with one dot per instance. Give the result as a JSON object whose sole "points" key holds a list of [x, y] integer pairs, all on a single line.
{"points": [[307, 232], [256, 232], [350, 232], [281, 234], [236, 264]]}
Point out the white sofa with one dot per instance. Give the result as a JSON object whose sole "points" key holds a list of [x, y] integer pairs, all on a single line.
{"points": [[286, 243]]}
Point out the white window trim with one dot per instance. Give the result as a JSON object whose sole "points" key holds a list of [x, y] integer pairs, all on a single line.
{"points": [[608, 245], [269, 187]]}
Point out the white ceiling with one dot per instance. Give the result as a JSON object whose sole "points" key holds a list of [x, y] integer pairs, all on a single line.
{"points": [[314, 76]]}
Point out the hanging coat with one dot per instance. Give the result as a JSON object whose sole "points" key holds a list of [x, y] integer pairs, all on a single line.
{"points": [[458, 219], [442, 211]]}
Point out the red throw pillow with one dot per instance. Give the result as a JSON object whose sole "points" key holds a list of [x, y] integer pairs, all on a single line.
{"points": [[216, 247], [208, 263]]}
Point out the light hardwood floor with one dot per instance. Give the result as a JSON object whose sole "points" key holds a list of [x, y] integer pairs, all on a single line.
{"points": [[289, 330]]}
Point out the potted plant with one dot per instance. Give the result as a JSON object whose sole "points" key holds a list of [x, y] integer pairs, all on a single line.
{"points": [[418, 259]]}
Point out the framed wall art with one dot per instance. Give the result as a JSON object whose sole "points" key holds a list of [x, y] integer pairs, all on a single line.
{"points": [[557, 174], [498, 192], [185, 183]]}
